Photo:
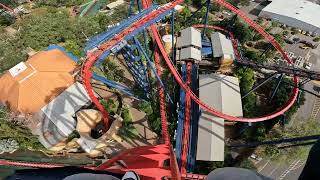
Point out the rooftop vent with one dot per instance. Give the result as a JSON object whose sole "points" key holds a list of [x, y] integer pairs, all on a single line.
{"points": [[17, 69]]}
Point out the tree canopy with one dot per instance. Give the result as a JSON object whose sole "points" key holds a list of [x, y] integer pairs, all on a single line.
{"points": [[48, 25], [247, 80]]}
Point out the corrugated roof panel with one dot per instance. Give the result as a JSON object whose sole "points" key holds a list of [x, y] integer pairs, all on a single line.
{"points": [[62, 109], [223, 93]]}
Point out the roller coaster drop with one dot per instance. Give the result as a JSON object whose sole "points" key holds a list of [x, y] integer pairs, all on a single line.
{"points": [[149, 162]]}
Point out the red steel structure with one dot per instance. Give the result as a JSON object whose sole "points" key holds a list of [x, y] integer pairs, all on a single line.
{"points": [[149, 162], [163, 113], [186, 127], [107, 45], [7, 8]]}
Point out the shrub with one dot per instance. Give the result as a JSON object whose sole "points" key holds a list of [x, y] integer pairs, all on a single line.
{"points": [[16, 132], [317, 39], [127, 116]]}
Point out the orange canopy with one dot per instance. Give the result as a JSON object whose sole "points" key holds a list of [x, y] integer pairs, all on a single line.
{"points": [[31, 85]]}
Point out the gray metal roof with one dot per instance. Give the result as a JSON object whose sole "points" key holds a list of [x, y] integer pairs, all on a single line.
{"points": [[189, 37], [302, 10], [223, 93], [49, 134], [221, 45], [58, 115], [87, 143]]}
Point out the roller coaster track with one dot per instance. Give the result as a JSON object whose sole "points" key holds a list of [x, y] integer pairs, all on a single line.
{"points": [[288, 70], [7, 8], [187, 120], [135, 26], [90, 60]]}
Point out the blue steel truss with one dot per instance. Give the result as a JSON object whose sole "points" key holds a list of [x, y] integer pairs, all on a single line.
{"points": [[134, 62], [113, 84], [136, 66], [153, 69], [134, 33], [95, 41]]}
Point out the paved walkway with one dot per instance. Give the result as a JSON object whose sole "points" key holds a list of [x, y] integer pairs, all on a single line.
{"points": [[278, 171], [310, 108]]}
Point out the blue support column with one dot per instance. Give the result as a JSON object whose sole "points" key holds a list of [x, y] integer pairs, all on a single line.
{"points": [[195, 114], [144, 32], [181, 116], [206, 19], [277, 87], [172, 34], [130, 7]]}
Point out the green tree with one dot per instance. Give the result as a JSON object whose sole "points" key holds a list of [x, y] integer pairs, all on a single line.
{"points": [[128, 131], [198, 3], [59, 3], [257, 37], [316, 39], [109, 105], [247, 80], [22, 135], [39, 31], [252, 55], [10, 3], [285, 33], [55, 3], [262, 45], [145, 106], [275, 24], [288, 154], [73, 48], [234, 2], [240, 30], [214, 7], [282, 96], [181, 19], [279, 39], [11, 50], [127, 116], [6, 19], [112, 71]]}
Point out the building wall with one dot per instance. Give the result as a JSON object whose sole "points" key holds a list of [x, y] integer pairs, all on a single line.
{"points": [[222, 46], [290, 21]]}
